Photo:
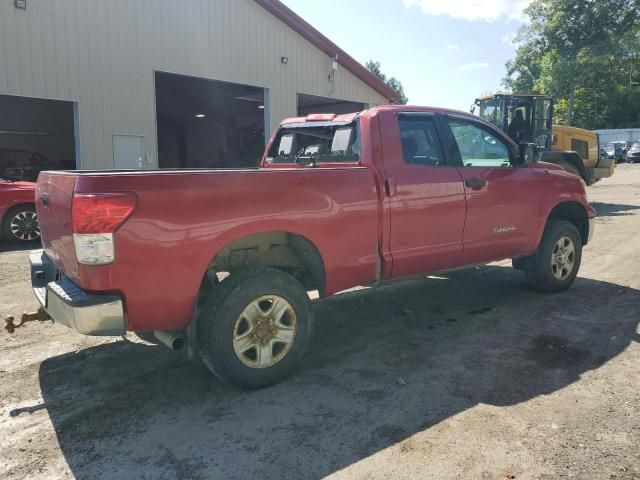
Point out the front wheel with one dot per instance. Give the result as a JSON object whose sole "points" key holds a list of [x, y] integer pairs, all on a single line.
{"points": [[255, 327], [555, 265]]}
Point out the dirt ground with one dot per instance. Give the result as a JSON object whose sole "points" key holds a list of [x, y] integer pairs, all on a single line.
{"points": [[466, 375]]}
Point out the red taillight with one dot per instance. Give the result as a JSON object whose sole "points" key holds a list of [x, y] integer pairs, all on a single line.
{"points": [[101, 212]]}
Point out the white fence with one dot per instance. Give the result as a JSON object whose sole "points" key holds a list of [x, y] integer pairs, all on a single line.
{"points": [[612, 135]]}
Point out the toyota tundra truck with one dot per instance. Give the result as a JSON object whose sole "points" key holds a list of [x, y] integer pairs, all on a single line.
{"points": [[222, 261]]}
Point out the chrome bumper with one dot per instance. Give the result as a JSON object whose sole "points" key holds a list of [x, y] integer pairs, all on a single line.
{"points": [[68, 304], [592, 226]]}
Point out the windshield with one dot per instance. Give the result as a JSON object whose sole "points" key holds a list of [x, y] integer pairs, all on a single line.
{"points": [[491, 111], [316, 142]]}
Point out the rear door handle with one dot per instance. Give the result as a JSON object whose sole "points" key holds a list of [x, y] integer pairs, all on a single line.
{"points": [[475, 183]]}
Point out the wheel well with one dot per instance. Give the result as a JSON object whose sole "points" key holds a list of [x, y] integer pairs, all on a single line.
{"points": [[286, 251], [13, 207], [575, 213]]}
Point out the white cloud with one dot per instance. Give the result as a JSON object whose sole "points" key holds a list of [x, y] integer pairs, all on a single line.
{"points": [[487, 10], [453, 46], [474, 66]]}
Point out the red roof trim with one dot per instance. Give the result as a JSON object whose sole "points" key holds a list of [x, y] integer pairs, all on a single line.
{"points": [[303, 28]]}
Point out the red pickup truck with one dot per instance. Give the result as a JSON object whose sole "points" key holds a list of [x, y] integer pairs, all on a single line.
{"points": [[222, 260]]}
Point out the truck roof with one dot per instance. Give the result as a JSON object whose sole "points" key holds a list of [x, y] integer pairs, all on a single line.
{"points": [[349, 117]]}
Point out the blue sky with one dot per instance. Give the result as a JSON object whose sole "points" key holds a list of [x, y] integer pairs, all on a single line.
{"points": [[445, 52]]}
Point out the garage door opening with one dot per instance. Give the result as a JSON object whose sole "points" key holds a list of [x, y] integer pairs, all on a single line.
{"points": [[308, 104], [207, 123], [35, 135]]}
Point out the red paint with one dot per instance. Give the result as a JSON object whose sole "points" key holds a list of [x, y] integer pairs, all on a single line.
{"points": [[15, 193], [428, 221]]}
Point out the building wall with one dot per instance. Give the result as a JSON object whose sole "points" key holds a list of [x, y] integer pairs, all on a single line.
{"points": [[103, 54]]}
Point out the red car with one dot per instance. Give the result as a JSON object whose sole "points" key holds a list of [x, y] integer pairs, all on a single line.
{"points": [[17, 211], [222, 260]]}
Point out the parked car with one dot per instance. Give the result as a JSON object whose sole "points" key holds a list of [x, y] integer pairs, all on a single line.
{"points": [[620, 149], [633, 153], [222, 260], [23, 165], [18, 218], [609, 151]]}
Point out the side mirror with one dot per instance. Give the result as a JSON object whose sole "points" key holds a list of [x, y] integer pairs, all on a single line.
{"points": [[528, 153]]}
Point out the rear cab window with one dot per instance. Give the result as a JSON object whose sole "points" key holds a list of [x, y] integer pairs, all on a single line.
{"points": [[316, 142]]}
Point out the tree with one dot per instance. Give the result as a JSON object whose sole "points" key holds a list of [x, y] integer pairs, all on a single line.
{"points": [[576, 51], [392, 82]]}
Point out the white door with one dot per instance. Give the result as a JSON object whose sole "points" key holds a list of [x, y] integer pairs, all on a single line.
{"points": [[127, 152]]}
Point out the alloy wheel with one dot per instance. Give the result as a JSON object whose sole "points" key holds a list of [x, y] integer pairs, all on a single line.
{"points": [[264, 332], [563, 258], [24, 226]]}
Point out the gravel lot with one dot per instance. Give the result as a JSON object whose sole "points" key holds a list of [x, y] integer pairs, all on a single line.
{"points": [[467, 375]]}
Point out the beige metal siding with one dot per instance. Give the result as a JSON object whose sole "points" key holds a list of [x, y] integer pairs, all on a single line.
{"points": [[103, 54]]}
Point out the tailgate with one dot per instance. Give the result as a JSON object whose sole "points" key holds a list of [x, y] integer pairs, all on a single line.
{"points": [[54, 194]]}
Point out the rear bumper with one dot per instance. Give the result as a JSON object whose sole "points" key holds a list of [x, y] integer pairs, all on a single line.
{"points": [[68, 304]]}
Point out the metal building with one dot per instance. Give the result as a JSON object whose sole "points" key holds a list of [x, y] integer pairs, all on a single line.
{"points": [[162, 83]]}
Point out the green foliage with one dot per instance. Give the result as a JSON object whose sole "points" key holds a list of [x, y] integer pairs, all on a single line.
{"points": [[392, 82], [585, 53]]}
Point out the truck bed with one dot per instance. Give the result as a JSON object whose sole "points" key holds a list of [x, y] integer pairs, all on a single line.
{"points": [[185, 217]]}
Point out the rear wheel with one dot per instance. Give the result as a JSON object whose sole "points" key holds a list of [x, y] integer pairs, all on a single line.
{"points": [[254, 328], [555, 265], [20, 224]]}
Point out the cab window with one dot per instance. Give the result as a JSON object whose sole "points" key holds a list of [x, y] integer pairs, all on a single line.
{"points": [[321, 142], [478, 146], [420, 142], [581, 147]]}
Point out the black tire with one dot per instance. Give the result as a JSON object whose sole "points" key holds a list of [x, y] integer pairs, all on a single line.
{"points": [[539, 270], [569, 167], [222, 311], [25, 219]]}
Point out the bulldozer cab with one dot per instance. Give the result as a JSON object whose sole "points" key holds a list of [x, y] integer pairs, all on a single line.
{"points": [[525, 118]]}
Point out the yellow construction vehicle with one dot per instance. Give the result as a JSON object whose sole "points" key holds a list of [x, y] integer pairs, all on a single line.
{"points": [[529, 118]]}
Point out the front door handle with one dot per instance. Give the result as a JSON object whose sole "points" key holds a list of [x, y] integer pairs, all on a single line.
{"points": [[475, 183]]}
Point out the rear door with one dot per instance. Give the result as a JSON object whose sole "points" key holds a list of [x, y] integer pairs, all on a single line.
{"points": [[503, 200], [425, 195]]}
